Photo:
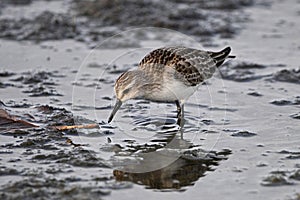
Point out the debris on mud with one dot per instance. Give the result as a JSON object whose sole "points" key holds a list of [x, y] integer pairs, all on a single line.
{"points": [[44, 116], [6, 74], [241, 71], [51, 188], [17, 2], [286, 102], [97, 20], [46, 26], [76, 157], [281, 178], [36, 77], [295, 115], [240, 133], [254, 94], [200, 19], [276, 180], [243, 134], [41, 91], [290, 154], [8, 122], [36, 84], [52, 150], [287, 75]]}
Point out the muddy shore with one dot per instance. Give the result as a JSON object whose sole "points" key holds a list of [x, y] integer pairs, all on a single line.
{"points": [[58, 67]]}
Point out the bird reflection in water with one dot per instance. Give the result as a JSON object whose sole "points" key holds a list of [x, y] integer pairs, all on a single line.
{"points": [[176, 166]]}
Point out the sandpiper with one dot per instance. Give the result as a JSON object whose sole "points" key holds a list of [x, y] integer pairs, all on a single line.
{"points": [[168, 74]]}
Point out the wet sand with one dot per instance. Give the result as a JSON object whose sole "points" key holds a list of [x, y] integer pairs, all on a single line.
{"points": [[240, 141]]}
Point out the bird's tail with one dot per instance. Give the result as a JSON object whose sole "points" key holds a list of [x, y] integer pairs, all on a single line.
{"points": [[219, 57]]}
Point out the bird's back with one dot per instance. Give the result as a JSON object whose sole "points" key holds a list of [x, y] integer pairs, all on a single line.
{"points": [[193, 66]]}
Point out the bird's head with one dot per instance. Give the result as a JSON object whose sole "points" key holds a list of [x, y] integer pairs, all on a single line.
{"points": [[127, 87]]}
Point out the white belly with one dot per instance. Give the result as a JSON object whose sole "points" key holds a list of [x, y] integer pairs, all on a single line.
{"points": [[171, 91]]}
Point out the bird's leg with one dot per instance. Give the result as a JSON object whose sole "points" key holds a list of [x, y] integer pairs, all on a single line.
{"points": [[180, 113], [182, 116], [178, 108]]}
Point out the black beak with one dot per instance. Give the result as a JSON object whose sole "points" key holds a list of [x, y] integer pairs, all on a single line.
{"points": [[116, 108]]}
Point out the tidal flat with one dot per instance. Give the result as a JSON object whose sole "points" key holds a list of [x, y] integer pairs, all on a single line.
{"points": [[58, 67]]}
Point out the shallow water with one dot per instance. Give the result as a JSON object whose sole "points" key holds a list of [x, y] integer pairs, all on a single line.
{"points": [[240, 140]]}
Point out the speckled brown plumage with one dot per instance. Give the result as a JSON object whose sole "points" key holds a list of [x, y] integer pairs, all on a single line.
{"points": [[191, 65]]}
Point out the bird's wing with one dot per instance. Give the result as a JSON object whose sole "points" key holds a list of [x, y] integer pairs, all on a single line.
{"points": [[192, 65]]}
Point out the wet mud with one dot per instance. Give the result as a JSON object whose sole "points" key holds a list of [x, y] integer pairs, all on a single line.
{"points": [[57, 155], [35, 84], [97, 20], [240, 138], [54, 152]]}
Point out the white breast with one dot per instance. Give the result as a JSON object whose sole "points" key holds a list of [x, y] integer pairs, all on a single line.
{"points": [[178, 90], [171, 91]]}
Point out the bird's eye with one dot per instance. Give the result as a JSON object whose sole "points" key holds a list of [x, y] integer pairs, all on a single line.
{"points": [[126, 91]]}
